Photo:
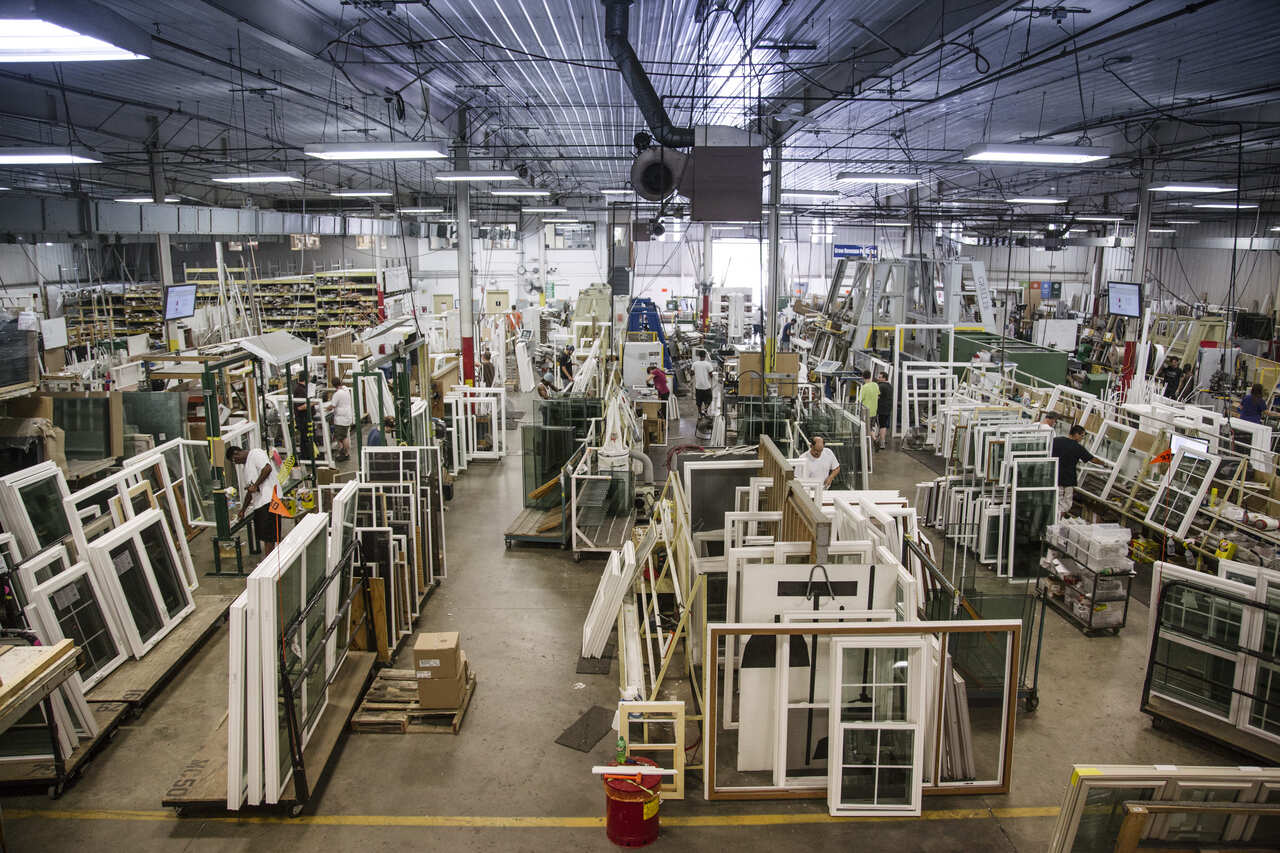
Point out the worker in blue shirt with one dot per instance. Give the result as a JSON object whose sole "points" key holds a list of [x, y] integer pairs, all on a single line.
{"points": [[1253, 404]]}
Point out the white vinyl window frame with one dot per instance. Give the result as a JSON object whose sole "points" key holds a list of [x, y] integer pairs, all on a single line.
{"points": [[120, 485], [342, 531], [477, 402], [43, 567], [1169, 483], [915, 712], [17, 520], [1114, 466], [1238, 710], [238, 720], [100, 557], [292, 551], [43, 598]]}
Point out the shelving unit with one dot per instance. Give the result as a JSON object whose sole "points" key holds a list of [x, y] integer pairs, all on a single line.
{"points": [[1092, 600], [93, 314], [206, 281], [143, 310], [348, 298], [287, 303]]}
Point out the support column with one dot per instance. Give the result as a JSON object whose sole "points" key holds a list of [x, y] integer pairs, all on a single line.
{"points": [[1133, 360], [224, 310], [462, 211], [1141, 233], [172, 341], [1095, 283], [708, 277], [775, 262]]}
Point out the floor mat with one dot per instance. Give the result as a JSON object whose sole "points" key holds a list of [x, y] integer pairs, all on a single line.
{"points": [[598, 666], [587, 731]]}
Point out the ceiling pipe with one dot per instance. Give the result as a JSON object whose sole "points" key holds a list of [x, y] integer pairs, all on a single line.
{"points": [[617, 15]]}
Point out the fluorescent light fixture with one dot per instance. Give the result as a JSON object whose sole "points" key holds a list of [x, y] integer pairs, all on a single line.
{"points": [[482, 175], [878, 178], [1191, 188], [520, 191], [1161, 231], [1077, 230], [360, 193], [561, 220], [1016, 231], [409, 211], [1244, 205], [453, 220], [1275, 228], [374, 151], [891, 224], [43, 156], [555, 208], [617, 191], [257, 178], [1182, 221], [1035, 200], [146, 199], [1100, 218], [812, 193], [1049, 155], [34, 40]]}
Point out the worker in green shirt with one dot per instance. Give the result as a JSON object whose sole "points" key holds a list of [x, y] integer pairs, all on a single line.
{"points": [[869, 397]]}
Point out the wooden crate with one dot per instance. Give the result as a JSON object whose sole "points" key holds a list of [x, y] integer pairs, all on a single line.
{"points": [[391, 706]]}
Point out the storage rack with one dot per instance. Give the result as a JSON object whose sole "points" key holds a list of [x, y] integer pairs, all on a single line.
{"points": [[142, 305], [1097, 590], [93, 314], [348, 298], [287, 303], [206, 281]]}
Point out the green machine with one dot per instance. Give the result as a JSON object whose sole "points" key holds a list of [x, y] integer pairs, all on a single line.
{"points": [[1044, 363]]}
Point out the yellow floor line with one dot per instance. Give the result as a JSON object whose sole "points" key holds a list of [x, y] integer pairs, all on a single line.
{"points": [[515, 822]]}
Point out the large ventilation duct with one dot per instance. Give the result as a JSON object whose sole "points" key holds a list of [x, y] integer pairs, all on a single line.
{"points": [[617, 21]]}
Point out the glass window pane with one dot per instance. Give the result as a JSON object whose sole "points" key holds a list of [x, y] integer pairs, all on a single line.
{"points": [[173, 591], [1189, 675], [43, 502], [137, 591], [1102, 815], [79, 616]]}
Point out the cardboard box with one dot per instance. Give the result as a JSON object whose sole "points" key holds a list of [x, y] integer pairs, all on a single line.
{"points": [[443, 693], [437, 656]]}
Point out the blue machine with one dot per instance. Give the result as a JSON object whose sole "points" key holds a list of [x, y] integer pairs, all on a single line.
{"points": [[644, 317]]}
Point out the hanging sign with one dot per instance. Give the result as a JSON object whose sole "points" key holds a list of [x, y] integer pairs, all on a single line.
{"points": [[848, 250]]}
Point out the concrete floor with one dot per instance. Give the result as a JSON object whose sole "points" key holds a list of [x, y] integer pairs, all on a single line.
{"points": [[503, 784]]}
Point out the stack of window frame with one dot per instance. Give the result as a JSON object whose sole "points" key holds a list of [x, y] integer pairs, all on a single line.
{"points": [[290, 630]]}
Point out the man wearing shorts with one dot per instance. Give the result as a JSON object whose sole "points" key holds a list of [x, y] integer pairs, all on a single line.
{"points": [[258, 479]]}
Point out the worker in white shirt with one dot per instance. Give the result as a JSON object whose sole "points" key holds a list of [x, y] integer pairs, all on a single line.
{"points": [[258, 480], [702, 370], [818, 464], [344, 417]]}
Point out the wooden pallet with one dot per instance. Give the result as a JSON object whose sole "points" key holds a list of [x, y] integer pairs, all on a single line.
{"points": [[391, 706]]}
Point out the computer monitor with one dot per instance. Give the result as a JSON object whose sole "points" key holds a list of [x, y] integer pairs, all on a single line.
{"points": [[179, 301], [1124, 298]]}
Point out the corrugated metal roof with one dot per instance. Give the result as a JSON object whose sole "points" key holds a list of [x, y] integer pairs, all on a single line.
{"points": [[543, 91]]}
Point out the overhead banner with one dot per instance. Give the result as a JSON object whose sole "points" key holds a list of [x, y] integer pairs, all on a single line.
{"points": [[848, 250]]}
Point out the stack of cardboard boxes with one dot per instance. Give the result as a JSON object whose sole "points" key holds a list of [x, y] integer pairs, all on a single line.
{"points": [[441, 669]]}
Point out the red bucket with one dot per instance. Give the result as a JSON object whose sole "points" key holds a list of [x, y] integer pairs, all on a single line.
{"points": [[631, 809]]}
